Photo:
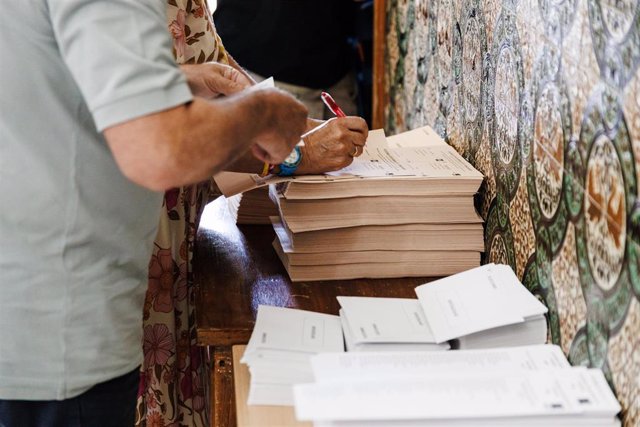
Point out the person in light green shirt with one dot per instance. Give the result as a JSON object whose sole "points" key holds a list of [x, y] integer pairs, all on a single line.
{"points": [[96, 120]]}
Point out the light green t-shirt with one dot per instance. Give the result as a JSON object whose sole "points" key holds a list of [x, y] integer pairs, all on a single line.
{"points": [[75, 234]]}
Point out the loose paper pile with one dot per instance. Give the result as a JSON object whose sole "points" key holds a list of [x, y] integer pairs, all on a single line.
{"points": [[523, 386], [396, 373], [278, 352], [483, 307]]}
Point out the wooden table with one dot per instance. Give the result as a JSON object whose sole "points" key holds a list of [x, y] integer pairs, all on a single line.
{"points": [[235, 270]]}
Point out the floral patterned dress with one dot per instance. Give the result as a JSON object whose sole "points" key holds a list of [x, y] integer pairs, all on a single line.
{"points": [[174, 381]]}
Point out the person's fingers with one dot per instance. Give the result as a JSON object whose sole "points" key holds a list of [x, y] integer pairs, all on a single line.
{"points": [[355, 123], [354, 138], [357, 151], [236, 76], [359, 141], [323, 155], [220, 86], [212, 79], [352, 129], [335, 144], [225, 80], [286, 121]]}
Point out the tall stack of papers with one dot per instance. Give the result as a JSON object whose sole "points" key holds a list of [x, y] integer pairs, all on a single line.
{"points": [[252, 207], [532, 386], [484, 307], [403, 208], [280, 347]]}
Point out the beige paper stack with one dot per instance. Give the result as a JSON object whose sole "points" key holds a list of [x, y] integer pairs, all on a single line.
{"points": [[253, 207], [403, 208]]}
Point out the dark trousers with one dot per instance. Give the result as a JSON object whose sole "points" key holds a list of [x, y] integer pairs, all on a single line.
{"points": [[108, 404]]}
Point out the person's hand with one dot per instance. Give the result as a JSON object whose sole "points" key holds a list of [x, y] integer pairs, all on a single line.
{"points": [[286, 120], [212, 79], [333, 146]]}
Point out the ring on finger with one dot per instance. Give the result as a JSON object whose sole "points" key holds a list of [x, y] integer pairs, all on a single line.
{"points": [[355, 153]]}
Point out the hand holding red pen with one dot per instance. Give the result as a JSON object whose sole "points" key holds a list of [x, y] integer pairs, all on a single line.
{"points": [[333, 106], [335, 142]]}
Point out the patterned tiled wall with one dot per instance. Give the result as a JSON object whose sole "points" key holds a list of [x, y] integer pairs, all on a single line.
{"points": [[543, 96]]}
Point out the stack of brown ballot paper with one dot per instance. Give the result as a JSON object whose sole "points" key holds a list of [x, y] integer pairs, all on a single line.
{"points": [[252, 207], [403, 208]]}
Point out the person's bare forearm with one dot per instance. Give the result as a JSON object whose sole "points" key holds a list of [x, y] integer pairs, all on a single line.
{"points": [[313, 123], [247, 163], [192, 142], [238, 121], [211, 80], [184, 145]]}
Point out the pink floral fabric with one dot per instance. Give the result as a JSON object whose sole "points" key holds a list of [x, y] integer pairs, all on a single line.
{"points": [[174, 382], [194, 37]]}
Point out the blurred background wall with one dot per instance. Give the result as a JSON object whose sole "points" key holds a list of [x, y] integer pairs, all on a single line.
{"points": [[543, 97]]}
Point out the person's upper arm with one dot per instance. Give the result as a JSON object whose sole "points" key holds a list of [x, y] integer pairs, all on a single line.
{"points": [[119, 53]]}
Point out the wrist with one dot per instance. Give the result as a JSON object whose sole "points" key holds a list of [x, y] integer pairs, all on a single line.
{"points": [[313, 123], [290, 165], [303, 167]]}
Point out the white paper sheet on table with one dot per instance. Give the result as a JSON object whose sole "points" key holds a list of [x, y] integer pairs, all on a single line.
{"points": [[475, 300], [355, 365], [386, 320], [464, 396], [279, 328]]}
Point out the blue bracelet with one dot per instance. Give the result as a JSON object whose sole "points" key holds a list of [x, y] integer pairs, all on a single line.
{"points": [[291, 163]]}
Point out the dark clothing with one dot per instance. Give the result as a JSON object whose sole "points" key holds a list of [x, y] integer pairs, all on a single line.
{"points": [[301, 42], [108, 404]]}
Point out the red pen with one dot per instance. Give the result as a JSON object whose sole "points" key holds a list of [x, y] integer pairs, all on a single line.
{"points": [[332, 105]]}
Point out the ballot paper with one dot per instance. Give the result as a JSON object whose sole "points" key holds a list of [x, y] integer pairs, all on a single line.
{"points": [[265, 84], [484, 307], [279, 350], [531, 386], [487, 395], [290, 331], [424, 136], [384, 161], [385, 324], [476, 300], [363, 365], [381, 319], [531, 421], [419, 152]]}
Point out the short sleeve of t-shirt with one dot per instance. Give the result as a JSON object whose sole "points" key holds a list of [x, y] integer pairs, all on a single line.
{"points": [[119, 53]]}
